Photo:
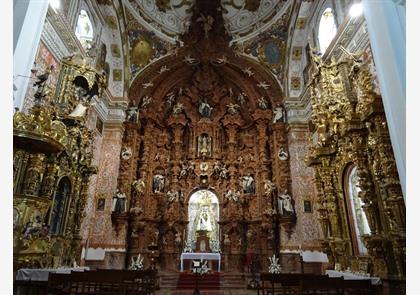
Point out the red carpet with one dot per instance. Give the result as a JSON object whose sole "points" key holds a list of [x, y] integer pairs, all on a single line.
{"points": [[187, 281]]}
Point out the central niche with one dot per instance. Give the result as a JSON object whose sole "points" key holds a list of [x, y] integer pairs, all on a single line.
{"points": [[203, 218]]}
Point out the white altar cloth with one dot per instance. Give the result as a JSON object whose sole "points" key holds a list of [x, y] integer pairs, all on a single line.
{"points": [[351, 276], [199, 256], [41, 274]]}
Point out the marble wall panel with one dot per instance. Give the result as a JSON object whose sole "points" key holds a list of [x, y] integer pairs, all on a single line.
{"points": [[307, 229]]}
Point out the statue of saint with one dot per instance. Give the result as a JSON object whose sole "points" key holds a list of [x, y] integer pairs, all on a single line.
{"points": [[158, 183], [119, 202], [204, 109], [248, 184], [204, 221], [279, 114], [284, 204], [204, 146]]}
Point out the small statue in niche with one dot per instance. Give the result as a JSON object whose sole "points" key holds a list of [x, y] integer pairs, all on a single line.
{"points": [[158, 183], [126, 153], [279, 114], [269, 187], [132, 114], [248, 184], [204, 146], [204, 108], [119, 204], [262, 103], [283, 155], [233, 108], [284, 203]]}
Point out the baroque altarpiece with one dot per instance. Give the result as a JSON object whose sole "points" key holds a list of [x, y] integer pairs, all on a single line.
{"points": [[206, 155]]}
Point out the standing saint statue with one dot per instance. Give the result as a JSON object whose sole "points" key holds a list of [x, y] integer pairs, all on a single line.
{"points": [[204, 108], [284, 203], [204, 146], [248, 184], [119, 204], [204, 221], [279, 114]]}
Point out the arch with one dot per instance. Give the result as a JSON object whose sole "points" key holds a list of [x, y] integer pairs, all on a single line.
{"points": [[203, 215], [60, 206], [356, 215], [327, 29], [84, 29]]}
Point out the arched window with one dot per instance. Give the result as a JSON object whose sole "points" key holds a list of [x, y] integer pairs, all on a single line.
{"points": [[327, 29], [84, 29], [60, 204], [358, 222]]}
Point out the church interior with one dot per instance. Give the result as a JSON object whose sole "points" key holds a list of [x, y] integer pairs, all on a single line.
{"points": [[245, 145]]}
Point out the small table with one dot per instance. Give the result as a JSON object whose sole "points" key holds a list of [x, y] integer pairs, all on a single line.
{"points": [[351, 276], [207, 256], [41, 274]]}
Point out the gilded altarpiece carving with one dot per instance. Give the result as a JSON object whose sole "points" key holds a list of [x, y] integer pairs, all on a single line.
{"points": [[51, 170], [350, 128]]}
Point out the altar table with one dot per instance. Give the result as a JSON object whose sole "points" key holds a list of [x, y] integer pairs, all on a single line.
{"points": [[199, 256], [351, 276], [41, 274]]}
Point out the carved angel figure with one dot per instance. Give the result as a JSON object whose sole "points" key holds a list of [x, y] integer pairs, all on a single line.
{"points": [[233, 196], [233, 108], [262, 103], [178, 108], [224, 173], [139, 185], [283, 155], [126, 153], [269, 187], [172, 196], [147, 100], [184, 170]]}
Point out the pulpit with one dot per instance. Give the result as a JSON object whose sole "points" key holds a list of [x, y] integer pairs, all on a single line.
{"points": [[202, 242]]}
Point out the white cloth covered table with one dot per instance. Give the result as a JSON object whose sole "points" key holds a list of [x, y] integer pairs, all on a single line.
{"points": [[199, 256], [41, 274], [351, 276]]}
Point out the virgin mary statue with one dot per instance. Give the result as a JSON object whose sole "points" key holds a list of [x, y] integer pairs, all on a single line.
{"points": [[204, 221]]}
